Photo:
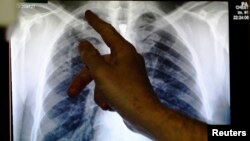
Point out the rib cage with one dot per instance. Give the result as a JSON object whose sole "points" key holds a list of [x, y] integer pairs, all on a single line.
{"points": [[73, 120], [170, 81], [168, 64]]}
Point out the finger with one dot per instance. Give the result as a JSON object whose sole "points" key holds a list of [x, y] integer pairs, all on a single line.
{"points": [[91, 57], [82, 80], [79, 83], [110, 36]]}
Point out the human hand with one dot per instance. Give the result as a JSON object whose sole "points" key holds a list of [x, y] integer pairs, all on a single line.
{"points": [[121, 79], [122, 85]]}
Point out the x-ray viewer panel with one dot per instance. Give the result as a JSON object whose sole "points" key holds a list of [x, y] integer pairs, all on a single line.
{"points": [[184, 45]]}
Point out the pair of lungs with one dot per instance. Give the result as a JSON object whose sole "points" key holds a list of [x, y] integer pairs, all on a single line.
{"points": [[168, 64]]}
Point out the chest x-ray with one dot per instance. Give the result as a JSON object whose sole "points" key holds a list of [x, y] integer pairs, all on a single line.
{"points": [[184, 44]]}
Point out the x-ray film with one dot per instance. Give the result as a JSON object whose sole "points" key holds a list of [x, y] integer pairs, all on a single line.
{"points": [[185, 46]]}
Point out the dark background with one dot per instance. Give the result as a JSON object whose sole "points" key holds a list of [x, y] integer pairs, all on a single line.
{"points": [[239, 41]]}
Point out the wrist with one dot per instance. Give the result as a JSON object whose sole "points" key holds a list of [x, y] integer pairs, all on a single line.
{"points": [[144, 114]]}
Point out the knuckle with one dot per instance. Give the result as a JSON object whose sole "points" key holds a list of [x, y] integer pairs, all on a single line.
{"points": [[106, 28], [101, 72], [130, 47], [127, 48], [109, 27], [111, 39]]}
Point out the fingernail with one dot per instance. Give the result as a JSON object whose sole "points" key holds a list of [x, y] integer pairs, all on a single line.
{"points": [[88, 13]]}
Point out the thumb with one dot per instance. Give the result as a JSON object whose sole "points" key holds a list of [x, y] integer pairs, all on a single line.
{"points": [[91, 57], [79, 82]]}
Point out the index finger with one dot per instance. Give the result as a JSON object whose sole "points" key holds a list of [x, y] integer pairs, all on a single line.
{"points": [[108, 33]]}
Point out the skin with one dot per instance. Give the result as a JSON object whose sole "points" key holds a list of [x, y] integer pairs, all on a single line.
{"points": [[122, 85]]}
